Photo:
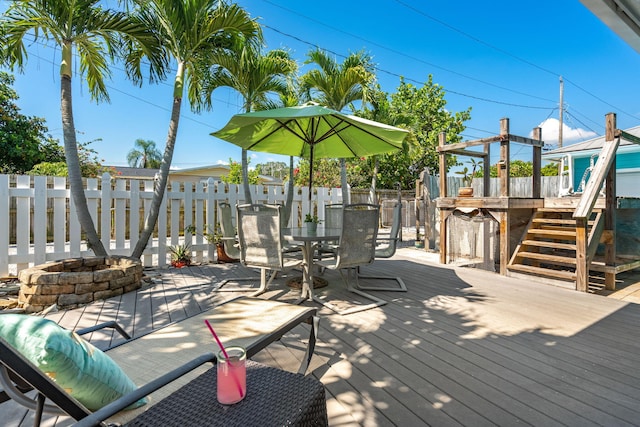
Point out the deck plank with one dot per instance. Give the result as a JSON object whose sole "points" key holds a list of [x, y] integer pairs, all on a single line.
{"points": [[461, 347]]}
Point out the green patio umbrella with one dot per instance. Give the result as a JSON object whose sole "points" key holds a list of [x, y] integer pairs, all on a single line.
{"points": [[311, 131]]}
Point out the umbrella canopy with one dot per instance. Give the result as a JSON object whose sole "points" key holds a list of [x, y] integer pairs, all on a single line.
{"points": [[311, 131]]}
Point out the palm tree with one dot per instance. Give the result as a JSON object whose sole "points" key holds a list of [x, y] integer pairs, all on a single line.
{"points": [[95, 35], [338, 85], [192, 32], [146, 155], [254, 75]]}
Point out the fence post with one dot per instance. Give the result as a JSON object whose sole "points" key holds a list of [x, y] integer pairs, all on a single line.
{"points": [[105, 211], [59, 195], [39, 219], [4, 228]]}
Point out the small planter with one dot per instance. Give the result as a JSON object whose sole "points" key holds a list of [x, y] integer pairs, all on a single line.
{"points": [[222, 255], [312, 227], [465, 192], [180, 264], [419, 244]]}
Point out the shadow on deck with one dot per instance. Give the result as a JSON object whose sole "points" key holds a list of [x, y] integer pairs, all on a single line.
{"points": [[461, 347]]}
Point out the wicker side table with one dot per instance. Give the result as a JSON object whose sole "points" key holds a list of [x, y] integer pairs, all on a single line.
{"points": [[274, 398]]}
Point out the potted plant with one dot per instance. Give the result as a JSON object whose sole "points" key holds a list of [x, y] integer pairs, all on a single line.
{"points": [[215, 239], [311, 222], [467, 178], [180, 255]]}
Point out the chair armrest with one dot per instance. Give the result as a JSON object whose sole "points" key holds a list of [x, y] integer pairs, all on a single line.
{"points": [[118, 405], [386, 239], [110, 324]]}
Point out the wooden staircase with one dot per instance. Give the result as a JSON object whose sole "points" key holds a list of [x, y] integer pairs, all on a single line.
{"points": [[549, 250]]}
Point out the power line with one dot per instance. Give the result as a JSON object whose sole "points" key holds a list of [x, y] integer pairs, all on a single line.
{"points": [[397, 52], [507, 53], [408, 78]]}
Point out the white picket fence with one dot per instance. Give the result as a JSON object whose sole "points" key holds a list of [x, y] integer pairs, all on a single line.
{"points": [[41, 224]]}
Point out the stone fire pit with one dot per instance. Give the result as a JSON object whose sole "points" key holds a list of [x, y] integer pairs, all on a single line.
{"points": [[77, 281]]}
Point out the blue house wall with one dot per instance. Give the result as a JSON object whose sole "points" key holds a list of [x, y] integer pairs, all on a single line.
{"points": [[628, 160]]}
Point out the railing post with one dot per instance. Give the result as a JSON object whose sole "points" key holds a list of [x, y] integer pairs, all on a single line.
{"points": [[503, 164], [537, 164], [610, 207], [442, 140], [443, 193], [582, 269]]}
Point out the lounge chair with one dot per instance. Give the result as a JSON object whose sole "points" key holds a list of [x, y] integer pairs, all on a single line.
{"points": [[386, 248], [356, 247], [167, 358]]}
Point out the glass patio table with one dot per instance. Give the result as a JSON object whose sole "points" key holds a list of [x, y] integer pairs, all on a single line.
{"points": [[301, 234]]}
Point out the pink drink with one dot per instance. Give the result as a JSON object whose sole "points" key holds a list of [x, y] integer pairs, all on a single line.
{"points": [[232, 376]]}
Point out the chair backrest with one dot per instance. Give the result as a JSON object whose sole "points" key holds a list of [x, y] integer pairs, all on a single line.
{"points": [[358, 237], [389, 248], [13, 364], [259, 235], [228, 230], [333, 215]]}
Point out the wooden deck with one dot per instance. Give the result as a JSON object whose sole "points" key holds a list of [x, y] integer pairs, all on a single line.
{"points": [[461, 347]]}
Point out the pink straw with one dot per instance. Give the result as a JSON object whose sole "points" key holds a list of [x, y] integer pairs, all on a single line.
{"points": [[226, 356]]}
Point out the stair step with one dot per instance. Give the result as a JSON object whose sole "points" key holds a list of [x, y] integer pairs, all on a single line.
{"points": [[571, 210], [551, 245], [553, 259], [556, 227], [553, 234], [558, 274], [564, 210], [556, 221]]}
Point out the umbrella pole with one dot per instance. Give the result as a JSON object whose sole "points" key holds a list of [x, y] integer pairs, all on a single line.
{"points": [[310, 176]]}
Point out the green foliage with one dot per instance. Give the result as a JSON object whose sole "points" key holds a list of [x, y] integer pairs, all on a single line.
{"points": [[278, 170], [468, 175], [326, 173], [312, 218], [522, 169], [421, 110], [144, 155], [336, 85], [180, 255], [213, 235], [235, 174], [550, 169], [90, 165], [23, 142], [50, 169]]}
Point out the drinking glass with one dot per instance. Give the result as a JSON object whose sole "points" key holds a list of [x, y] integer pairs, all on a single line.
{"points": [[232, 375]]}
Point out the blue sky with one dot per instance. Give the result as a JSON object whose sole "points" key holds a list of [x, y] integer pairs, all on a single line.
{"points": [[502, 58]]}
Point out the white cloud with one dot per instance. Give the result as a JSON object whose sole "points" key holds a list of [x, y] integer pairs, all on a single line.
{"points": [[569, 135]]}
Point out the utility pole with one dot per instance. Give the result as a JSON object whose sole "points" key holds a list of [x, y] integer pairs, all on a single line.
{"points": [[561, 113]]}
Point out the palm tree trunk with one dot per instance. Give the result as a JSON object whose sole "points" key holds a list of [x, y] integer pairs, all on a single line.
{"points": [[73, 166], [245, 169], [161, 184], [343, 182], [374, 179], [288, 204], [245, 177]]}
